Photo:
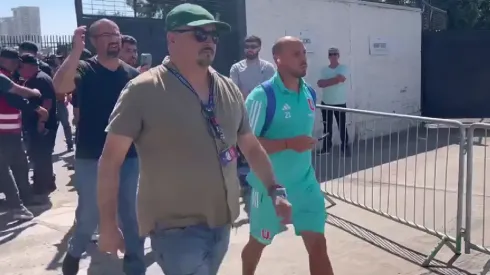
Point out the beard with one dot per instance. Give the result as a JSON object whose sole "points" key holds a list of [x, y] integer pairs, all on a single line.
{"points": [[251, 56], [206, 58], [112, 53]]}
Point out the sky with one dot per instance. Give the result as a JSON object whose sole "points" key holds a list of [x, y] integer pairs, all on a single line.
{"points": [[58, 17]]}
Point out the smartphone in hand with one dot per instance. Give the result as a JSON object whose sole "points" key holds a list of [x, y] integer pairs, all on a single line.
{"points": [[145, 60]]}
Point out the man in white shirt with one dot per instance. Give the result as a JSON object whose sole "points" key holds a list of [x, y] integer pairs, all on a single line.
{"points": [[334, 94], [251, 71]]}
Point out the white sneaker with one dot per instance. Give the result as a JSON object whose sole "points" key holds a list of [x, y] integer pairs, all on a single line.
{"points": [[95, 237]]}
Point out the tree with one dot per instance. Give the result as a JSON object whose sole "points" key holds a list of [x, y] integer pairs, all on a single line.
{"points": [[151, 8], [465, 14]]}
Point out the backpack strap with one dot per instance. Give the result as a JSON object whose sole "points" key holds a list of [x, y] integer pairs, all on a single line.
{"points": [[312, 93], [270, 109]]}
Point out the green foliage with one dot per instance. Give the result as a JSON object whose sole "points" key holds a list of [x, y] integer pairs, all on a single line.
{"points": [[466, 14], [151, 8]]}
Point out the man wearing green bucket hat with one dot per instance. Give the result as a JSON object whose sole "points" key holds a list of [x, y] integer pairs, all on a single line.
{"points": [[185, 120]]}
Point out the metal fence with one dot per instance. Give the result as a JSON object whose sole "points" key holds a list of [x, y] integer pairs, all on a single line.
{"points": [[409, 169], [477, 225], [47, 44]]}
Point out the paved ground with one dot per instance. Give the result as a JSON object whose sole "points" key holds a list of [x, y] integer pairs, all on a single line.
{"points": [[359, 242]]}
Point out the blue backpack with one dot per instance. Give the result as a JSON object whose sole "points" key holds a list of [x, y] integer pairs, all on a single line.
{"points": [[271, 104]]}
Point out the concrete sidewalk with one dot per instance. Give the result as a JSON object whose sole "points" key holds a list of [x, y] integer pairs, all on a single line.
{"points": [[370, 245], [359, 243]]}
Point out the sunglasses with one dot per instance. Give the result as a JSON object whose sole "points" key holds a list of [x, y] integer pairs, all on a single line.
{"points": [[107, 35], [251, 47], [202, 35]]}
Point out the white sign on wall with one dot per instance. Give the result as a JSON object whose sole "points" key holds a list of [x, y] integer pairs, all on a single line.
{"points": [[378, 46], [305, 36]]}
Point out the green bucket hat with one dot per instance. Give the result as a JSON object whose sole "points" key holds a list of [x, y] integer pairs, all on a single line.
{"points": [[193, 16]]}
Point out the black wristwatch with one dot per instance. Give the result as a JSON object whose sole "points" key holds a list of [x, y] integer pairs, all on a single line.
{"points": [[276, 190]]}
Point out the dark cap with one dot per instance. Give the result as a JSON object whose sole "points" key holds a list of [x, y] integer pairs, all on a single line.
{"points": [[9, 53], [28, 46], [29, 59], [193, 16], [333, 50]]}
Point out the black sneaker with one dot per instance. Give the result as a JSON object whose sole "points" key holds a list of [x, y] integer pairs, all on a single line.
{"points": [[95, 237], [70, 265]]}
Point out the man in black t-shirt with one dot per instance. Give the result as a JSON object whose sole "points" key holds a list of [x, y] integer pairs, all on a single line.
{"points": [[96, 84], [41, 133]]}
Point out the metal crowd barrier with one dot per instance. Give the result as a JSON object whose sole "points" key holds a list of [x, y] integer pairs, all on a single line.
{"points": [[409, 169], [477, 220]]}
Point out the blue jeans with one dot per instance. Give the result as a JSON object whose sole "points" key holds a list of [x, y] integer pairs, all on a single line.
{"points": [[192, 250], [63, 118], [87, 213]]}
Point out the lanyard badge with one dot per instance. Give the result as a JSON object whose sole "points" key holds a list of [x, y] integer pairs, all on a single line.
{"points": [[230, 153]]}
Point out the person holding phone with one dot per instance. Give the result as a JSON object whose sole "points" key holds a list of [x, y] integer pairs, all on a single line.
{"points": [[129, 50], [145, 63]]}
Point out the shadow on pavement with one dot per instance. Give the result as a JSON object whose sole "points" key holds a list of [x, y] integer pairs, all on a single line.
{"points": [[101, 264], [56, 262], [10, 229], [68, 163], [383, 149], [438, 267], [241, 222], [58, 156]]}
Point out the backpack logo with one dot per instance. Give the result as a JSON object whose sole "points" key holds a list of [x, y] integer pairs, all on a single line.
{"points": [[311, 104]]}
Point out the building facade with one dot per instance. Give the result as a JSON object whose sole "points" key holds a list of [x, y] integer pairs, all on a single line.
{"points": [[7, 26], [27, 21], [385, 79]]}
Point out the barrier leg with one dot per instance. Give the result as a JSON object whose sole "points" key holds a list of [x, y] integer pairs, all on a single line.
{"points": [[331, 202], [433, 253]]}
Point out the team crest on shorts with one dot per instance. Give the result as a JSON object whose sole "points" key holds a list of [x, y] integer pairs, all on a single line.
{"points": [[311, 104], [266, 234]]}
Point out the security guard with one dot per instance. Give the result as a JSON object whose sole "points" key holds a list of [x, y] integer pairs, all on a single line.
{"points": [[13, 158]]}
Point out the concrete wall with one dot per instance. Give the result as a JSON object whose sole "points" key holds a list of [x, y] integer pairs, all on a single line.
{"points": [[387, 83]]}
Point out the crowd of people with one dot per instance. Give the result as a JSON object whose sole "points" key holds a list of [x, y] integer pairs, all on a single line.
{"points": [[28, 134], [166, 150]]}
